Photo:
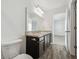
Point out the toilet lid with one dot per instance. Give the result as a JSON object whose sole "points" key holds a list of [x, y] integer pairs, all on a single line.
{"points": [[23, 56]]}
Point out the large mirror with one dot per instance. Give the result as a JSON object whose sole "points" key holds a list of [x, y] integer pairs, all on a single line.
{"points": [[33, 21]]}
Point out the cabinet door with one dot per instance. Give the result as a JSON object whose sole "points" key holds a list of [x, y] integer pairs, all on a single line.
{"points": [[46, 42], [41, 47], [50, 38], [32, 47]]}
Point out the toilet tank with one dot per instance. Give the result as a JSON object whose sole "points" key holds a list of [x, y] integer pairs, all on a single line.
{"points": [[10, 49]]}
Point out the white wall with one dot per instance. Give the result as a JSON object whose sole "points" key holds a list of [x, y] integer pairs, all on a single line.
{"points": [[13, 19]]}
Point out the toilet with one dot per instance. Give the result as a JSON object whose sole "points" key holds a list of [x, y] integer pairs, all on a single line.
{"points": [[11, 50]]}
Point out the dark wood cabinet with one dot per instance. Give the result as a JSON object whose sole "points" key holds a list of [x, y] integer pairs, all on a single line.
{"points": [[36, 46], [32, 46]]}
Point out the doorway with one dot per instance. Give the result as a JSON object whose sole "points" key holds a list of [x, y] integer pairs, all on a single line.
{"points": [[59, 29]]}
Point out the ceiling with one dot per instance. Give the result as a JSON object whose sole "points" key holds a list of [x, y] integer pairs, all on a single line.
{"points": [[49, 7], [50, 4]]}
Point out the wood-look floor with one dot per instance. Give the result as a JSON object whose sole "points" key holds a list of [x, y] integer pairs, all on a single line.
{"points": [[56, 52]]}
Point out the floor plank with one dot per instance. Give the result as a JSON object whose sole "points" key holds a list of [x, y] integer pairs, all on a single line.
{"points": [[56, 52]]}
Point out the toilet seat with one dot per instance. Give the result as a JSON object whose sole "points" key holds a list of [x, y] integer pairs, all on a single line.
{"points": [[23, 56]]}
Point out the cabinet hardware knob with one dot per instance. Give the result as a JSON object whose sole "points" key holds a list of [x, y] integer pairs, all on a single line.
{"points": [[34, 39]]}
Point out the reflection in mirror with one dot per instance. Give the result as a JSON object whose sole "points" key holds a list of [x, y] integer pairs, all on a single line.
{"points": [[35, 22]]}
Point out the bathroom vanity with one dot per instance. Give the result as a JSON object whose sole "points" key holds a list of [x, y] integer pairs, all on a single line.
{"points": [[37, 43]]}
